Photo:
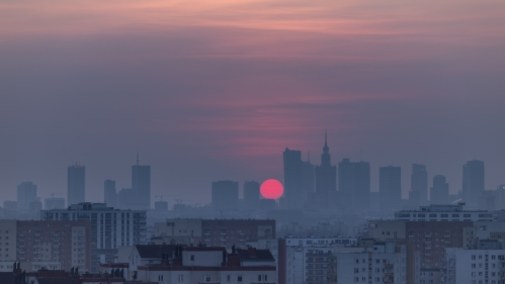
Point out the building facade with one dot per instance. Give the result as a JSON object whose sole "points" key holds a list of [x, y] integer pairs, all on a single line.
{"points": [[110, 228]]}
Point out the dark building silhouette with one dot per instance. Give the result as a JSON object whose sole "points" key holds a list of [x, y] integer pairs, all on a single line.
{"points": [[76, 184], [141, 185], [308, 177], [225, 195], [26, 194], [354, 184], [326, 176], [251, 194], [419, 185], [473, 182], [109, 192], [390, 187], [293, 179], [440, 190]]}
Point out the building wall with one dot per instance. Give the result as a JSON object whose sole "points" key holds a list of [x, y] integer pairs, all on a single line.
{"points": [[466, 266], [202, 258], [110, 228], [8, 243], [43, 243]]}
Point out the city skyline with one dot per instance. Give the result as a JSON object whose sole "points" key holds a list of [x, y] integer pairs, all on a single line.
{"points": [[361, 181], [221, 88]]}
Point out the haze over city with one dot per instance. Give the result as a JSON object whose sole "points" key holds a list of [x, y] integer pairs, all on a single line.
{"points": [[210, 90]]}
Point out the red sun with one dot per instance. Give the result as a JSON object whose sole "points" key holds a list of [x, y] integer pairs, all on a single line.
{"points": [[271, 189]]}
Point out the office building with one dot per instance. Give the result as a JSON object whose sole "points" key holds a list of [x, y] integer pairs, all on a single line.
{"points": [[76, 184], [225, 195], [109, 193], [473, 183], [26, 194], [294, 195], [354, 185], [390, 187], [440, 190], [141, 185], [251, 191], [419, 185]]}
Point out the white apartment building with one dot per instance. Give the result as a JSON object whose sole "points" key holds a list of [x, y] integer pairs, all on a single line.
{"points": [[311, 260], [475, 266], [111, 228], [378, 264]]}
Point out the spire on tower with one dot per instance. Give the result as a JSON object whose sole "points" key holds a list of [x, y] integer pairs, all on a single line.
{"points": [[326, 149]]}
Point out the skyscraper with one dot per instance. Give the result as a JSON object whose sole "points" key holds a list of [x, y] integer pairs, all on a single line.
{"points": [[326, 176], [440, 190], [473, 182], [27, 193], [419, 185], [141, 184], [76, 184], [308, 178], [225, 195], [109, 193], [251, 194], [390, 187], [354, 184], [293, 179]]}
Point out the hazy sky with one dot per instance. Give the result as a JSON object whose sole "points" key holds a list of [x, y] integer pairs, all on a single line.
{"points": [[209, 90]]}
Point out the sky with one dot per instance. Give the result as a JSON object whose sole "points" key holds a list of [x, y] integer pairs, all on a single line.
{"points": [[211, 90]]}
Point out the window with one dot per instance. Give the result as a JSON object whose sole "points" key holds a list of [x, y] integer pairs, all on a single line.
{"points": [[239, 278]]}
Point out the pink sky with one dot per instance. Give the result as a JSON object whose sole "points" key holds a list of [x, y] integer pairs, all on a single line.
{"points": [[218, 89]]}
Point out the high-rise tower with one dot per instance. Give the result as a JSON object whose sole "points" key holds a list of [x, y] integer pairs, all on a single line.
{"points": [[326, 174], [419, 185], [440, 190], [473, 182], [141, 184], [76, 184], [293, 179], [109, 192], [27, 193], [354, 184], [390, 187]]}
